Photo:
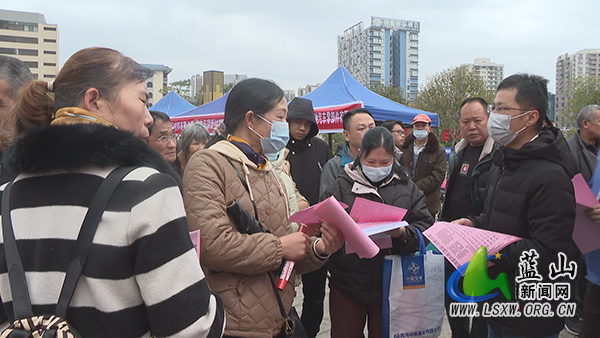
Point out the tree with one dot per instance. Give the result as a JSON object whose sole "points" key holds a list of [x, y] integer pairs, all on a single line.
{"points": [[580, 91], [181, 87], [444, 92], [394, 93], [227, 87]]}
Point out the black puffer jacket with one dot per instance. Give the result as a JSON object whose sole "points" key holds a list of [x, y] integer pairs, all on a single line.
{"points": [[308, 156], [531, 196], [361, 279]]}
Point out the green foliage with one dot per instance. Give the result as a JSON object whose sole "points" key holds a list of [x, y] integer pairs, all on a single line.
{"points": [[444, 92], [227, 87], [183, 89], [580, 91], [394, 93], [337, 139]]}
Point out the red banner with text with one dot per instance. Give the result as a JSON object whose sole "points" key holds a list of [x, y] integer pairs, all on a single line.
{"points": [[329, 119]]}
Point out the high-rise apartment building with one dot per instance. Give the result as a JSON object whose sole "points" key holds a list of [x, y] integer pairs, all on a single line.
{"points": [[27, 36], [213, 85], [490, 72], [157, 84], [585, 63], [387, 52]]}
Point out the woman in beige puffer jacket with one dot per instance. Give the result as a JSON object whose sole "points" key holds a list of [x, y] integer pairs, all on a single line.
{"points": [[237, 264]]}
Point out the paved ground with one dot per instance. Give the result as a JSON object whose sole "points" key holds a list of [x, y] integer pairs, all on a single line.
{"points": [[325, 325]]}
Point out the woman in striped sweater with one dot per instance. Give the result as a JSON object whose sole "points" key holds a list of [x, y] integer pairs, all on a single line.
{"points": [[142, 275]]}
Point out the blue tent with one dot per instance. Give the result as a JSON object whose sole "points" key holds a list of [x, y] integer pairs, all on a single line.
{"points": [[213, 107], [341, 88], [172, 104]]}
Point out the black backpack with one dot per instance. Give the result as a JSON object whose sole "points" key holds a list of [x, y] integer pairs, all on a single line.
{"points": [[52, 325]]}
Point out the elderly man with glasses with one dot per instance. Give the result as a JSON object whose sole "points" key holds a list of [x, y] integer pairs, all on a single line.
{"points": [[164, 140]]}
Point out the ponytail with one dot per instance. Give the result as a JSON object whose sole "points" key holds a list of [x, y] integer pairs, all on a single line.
{"points": [[34, 107]]}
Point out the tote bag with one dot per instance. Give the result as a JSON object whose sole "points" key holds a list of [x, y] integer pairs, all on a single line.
{"points": [[413, 294]]}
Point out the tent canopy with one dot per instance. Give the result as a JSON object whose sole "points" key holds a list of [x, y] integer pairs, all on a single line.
{"points": [[213, 107], [172, 104], [341, 88]]}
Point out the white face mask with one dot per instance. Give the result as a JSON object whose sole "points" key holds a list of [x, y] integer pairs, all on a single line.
{"points": [[376, 174], [499, 127]]}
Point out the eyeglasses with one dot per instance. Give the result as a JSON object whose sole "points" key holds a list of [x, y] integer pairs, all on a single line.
{"points": [[501, 109], [399, 131], [165, 139]]}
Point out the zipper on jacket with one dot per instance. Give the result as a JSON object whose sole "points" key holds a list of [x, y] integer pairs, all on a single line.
{"points": [[496, 189]]}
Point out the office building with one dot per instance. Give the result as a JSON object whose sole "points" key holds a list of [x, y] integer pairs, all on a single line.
{"points": [[234, 79], [490, 72], [584, 63], [157, 84], [196, 86], [289, 94], [387, 52], [213, 85], [27, 36], [309, 88]]}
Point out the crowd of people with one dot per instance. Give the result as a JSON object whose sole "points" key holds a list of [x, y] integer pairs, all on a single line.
{"points": [[59, 140]]}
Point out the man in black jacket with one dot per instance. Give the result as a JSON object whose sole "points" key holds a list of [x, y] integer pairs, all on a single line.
{"points": [[307, 156], [530, 195], [468, 175]]}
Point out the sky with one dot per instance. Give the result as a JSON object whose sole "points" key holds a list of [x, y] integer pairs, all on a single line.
{"points": [[294, 43]]}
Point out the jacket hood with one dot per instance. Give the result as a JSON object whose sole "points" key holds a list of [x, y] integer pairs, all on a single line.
{"points": [[75, 146], [550, 145], [302, 109]]}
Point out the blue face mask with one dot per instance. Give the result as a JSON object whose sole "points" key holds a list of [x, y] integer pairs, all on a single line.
{"points": [[272, 157], [420, 134], [280, 135]]}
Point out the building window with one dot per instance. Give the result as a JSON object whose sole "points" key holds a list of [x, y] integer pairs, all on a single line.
{"points": [[50, 64], [149, 85], [31, 64], [49, 76], [50, 28], [20, 39], [16, 51], [51, 52], [9, 51], [31, 52], [50, 40], [18, 26]]}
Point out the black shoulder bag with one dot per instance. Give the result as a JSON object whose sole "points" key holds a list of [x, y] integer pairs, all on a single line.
{"points": [[54, 325]]}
